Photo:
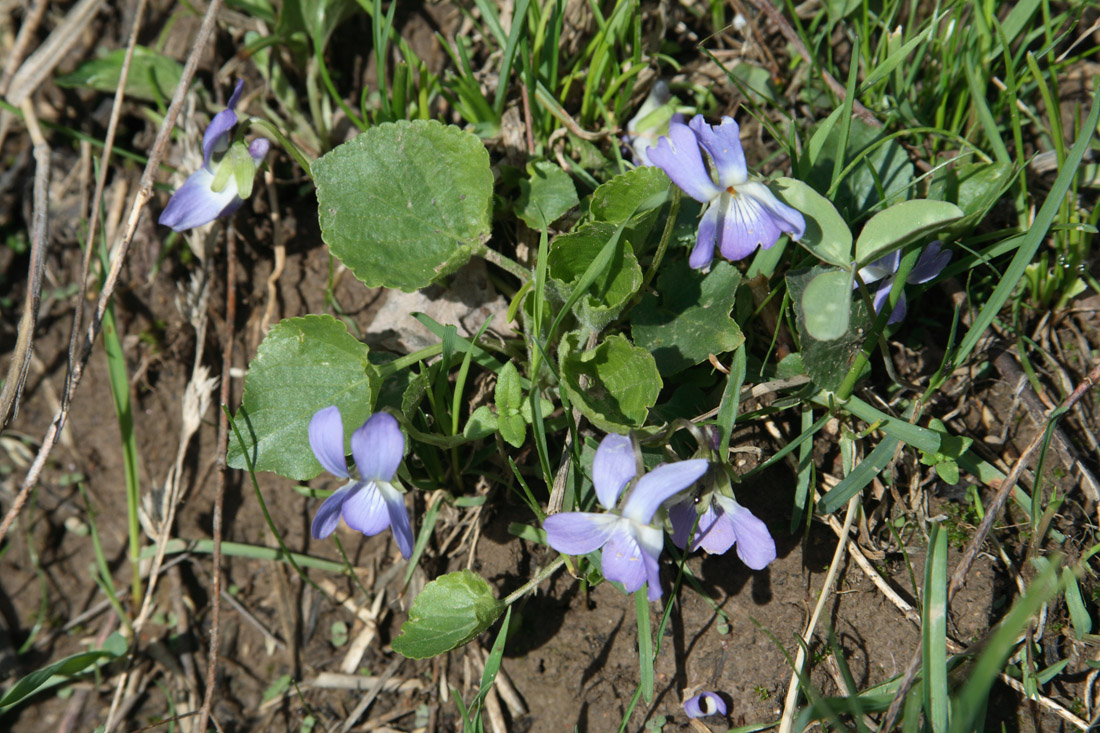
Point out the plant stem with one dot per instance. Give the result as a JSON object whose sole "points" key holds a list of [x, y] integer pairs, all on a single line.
{"points": [[666, 236], [392, 367], [505, 263], [269, 130], [908, 260], [540, 576]]}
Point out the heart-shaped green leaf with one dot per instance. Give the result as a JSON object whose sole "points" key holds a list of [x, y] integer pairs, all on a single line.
{"points": [[449, 612], [901, 224], [622, 381], [405, 203], [302, 366]]}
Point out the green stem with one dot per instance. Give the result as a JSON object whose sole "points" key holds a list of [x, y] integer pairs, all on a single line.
{"points": [[666, 236], [505, 263], [403, 362], [908, 260], [269, 130], [540, 576]]}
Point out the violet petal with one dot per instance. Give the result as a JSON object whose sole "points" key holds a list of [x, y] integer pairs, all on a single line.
{"points": [[578, 533], [622, 558], [326, 438], [704, 704], [659, 485], [703, 252], [755, 545], [723, 142], [399, 518], [678, 155], [328, 515], [365, 510], [195, 203], [378, 447], [612, 468]]}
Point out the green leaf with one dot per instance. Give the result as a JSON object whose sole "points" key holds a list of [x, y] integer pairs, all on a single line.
{"points": [[513, 429], [948, 471], [882, 162], [569, 258], [630, 195], [975, 187], [827, 304], [47, 676], [901, 224], [934, 631], [509, 393], [153, 77], [405, 203], [303, 365], [1078, 613], [689, 319], [826, 362], [546, 196], [449, 612], [482, 424], [622, 381], [827, 235]]}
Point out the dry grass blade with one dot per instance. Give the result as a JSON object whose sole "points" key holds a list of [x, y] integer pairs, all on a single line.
{"points": [[40, 234]]}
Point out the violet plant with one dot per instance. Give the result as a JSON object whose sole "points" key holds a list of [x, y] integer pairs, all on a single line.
{"points": [[605, 303], [224, 181]]}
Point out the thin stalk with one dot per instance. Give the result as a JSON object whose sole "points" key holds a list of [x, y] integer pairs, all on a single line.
{"points": [[540, 576]]}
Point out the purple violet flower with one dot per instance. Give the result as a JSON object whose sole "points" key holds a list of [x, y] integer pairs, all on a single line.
{"points": [[631, 546], [371, 503], [202, 198], [704, 704], [722, 525], [738, 214], [929, 265], [651, 122]]}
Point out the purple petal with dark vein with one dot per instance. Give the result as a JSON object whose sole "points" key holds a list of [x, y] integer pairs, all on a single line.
{"points": [[724, 145], [378, 447], [612, 468], [678, 155], [399, 518], [578, 533], [786, 218], [931, 263], [326, 438], [194, 203], [659, 485], [703, 252], [755, 545], [328, 515], [365, 510], [745, 226]]}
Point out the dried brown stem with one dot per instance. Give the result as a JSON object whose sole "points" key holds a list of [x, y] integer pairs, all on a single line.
{"points": [[145, 192]]}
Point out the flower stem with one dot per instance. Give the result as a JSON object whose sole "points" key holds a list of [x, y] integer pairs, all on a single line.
{"points": [[908, 260], [505, 263], [392, 367], [269, 130], [666, 236], [540, 576]]}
